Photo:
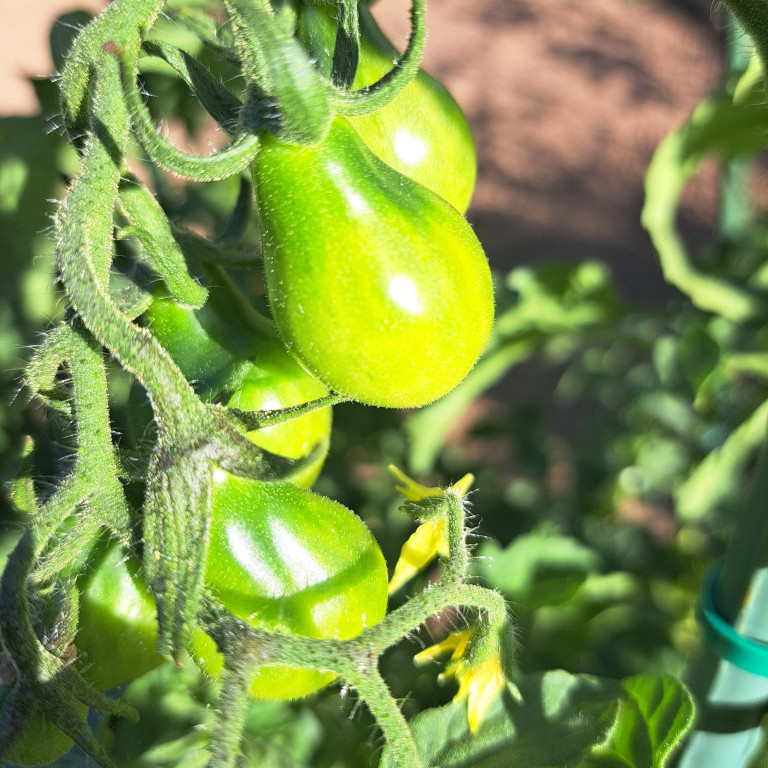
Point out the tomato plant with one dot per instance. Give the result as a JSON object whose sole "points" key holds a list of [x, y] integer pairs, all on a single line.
{"points": [[291, 561], [377, 285], [422, 132]]}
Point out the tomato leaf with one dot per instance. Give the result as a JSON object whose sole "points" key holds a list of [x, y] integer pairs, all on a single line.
{"points": [[560, 719], [655, 715], [563, 720]]}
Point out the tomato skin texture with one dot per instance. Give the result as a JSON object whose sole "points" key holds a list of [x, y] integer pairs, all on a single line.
{"points": [[117, 630], [422, 132], [289, 560], [273, 381], [378, 286]]}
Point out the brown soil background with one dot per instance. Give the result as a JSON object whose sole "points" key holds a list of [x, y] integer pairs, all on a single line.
{"points": [[567, 98]]}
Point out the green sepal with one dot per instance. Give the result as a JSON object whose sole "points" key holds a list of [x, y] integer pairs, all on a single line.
{"points": [[380, 93], [220, 103], [159, 248], [286, 94], [201, 249], [346, 51]]}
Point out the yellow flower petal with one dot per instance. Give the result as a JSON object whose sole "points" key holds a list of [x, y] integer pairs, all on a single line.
{"points": [[455, 642], [480, 685], [414, 491], [428, 540]]}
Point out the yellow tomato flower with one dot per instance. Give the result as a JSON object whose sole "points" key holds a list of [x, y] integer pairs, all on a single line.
{"points": [[430, 538], [455, 642], [480, 684], [414, 491]]}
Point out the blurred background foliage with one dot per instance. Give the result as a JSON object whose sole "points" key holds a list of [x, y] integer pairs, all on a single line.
{"points": [[596, 514]]}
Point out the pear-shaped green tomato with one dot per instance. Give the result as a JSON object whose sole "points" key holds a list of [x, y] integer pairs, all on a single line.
{"points": [[377, 285], [422, 132], [288, 560]]}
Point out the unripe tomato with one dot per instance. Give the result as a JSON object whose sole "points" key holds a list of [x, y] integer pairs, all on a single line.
{"points": [[211, 355], [289, 560], [117, 631], [41, 743], [282, 557], [377, 285], [422, 132], [277, 381]]}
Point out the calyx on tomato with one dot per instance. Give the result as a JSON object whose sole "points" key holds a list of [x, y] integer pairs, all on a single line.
{"points": [[422, 132], [255, 371], [288, 560], [377, 285]]}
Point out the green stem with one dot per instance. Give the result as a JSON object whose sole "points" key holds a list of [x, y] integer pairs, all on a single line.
{"points": [[752, 15], [232, 704], [370, 686], [380, 93]]}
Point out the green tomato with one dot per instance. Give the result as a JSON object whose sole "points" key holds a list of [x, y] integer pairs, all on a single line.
{"points": [[213, 354], [288, 560], [41, 743], [117, 630], [207, 364], [280, 556], [422, 132], [377, 285], [277, 381]]}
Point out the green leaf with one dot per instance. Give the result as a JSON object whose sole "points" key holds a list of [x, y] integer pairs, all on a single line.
{"points": [[561, 718], [653, 719]]}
